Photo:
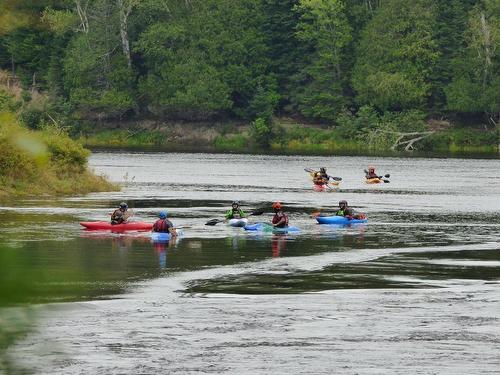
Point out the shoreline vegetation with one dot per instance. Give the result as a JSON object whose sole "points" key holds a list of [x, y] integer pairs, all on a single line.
{"points": [[288, 137], [271, 76], [43, 162], [38, 162]]}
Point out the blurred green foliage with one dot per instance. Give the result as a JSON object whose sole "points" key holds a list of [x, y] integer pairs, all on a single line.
{"points": [[345, 63]]}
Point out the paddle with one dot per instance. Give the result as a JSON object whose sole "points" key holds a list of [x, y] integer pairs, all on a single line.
{"points": [[217, 221], [310, 170]]}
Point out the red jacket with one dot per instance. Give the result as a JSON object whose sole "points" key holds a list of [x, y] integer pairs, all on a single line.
{"points": [[279, 216], [162, 226]]}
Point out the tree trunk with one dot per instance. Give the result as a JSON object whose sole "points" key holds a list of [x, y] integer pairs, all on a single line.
{"points": [[485, 30], [82, 14], [124, 13]]}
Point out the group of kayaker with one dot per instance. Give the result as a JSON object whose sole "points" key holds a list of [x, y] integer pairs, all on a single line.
{"points": [[279, 220], [162, 225], [321, 178]]}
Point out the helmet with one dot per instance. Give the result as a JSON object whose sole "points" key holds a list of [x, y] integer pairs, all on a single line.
{"points": [[371, 168], [277, 205], [235, 203], [124, 205], [322, 169], [343, 203], [163, 214]]}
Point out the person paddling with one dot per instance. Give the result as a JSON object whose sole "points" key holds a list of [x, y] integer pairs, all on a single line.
{"points": [[163, 225], [280, 220], [347, 212], [344, 210], [121, 214], [235, 212], [370, 173], [321, 177]]}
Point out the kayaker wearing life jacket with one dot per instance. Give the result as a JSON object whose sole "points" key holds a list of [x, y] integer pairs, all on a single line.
{"points": [[280, 220], [163, 225], [321, 177], [370, 173], [344, 210], [120, 215], [235, 212]]}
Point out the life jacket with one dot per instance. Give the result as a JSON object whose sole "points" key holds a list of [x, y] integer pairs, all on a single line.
{"points": [[344, 212], [371, 175], [319, 178], [235, 214], [117, 217], [277, 218], [162, 226]]}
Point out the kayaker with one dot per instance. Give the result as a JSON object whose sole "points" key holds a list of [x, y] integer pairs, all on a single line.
{"points": [[280, 220], [370, 173], [120, 215], [321, 177], [163, 225], [235, 212], [344, 210]]}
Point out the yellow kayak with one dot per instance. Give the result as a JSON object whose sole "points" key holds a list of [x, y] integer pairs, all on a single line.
{"points": [[373, 180]]}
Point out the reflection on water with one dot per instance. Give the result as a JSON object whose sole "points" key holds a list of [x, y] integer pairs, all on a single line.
{"points": [[424, 235]]}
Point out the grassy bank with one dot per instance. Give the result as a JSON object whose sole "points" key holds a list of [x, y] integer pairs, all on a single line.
{"points": [[43, 162], [286, 138]]}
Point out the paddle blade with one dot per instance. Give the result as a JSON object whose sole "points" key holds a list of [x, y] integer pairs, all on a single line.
{"points": [[386, 181], [387, 175], [336, 178], [309, 170], [213, 222]]}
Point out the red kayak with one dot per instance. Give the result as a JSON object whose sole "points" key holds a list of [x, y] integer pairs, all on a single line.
{"points": [[106, 225], [318, 187]]}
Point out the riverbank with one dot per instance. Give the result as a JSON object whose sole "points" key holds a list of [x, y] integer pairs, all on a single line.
{"points": [[44, 162], [286, 137]]}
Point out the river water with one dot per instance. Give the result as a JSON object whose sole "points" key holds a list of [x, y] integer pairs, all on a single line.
{"points": [[415, 290]]}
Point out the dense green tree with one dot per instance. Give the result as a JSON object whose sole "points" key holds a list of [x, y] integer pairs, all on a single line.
{"points": [[97, 76], [347, 62], [219, 51], [476, 72], [397, 55], [285, 51], [319, 91]]}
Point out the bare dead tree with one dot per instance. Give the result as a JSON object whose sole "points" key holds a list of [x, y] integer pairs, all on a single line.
{"points": [[81, 10], [403, 140], [125, 7]]}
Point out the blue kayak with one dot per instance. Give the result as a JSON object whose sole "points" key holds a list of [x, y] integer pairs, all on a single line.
{"points": [[161, 237], [264, 227], [339, 220], [156, 236]]}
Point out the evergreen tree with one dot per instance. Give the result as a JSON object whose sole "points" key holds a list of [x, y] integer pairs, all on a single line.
{"points": [[475, 85], [397, 56], [319, 90]]}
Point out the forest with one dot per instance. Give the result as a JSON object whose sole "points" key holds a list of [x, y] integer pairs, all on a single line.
{"points": [[367, 71]]}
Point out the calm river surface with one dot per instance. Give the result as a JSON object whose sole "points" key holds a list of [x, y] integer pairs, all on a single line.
{"points": [[414, 291]]}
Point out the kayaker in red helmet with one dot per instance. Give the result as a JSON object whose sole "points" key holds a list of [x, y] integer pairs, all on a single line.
{"points": [[370, 173], [121, 214], [163, 225], [280, 220]]}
